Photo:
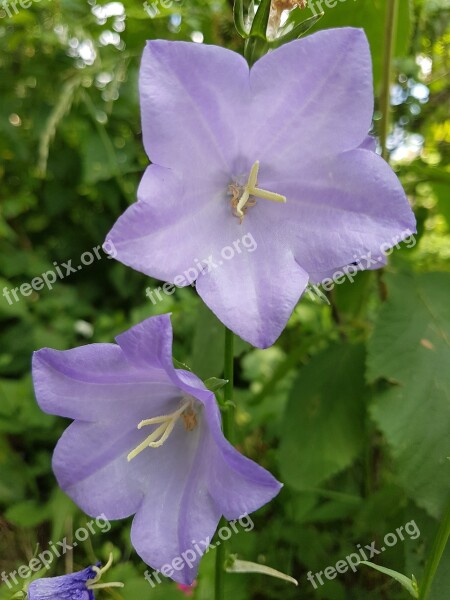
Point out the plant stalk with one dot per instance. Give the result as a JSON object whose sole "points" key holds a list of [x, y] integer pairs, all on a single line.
{"points": [[390, 34], [437, 551], [227, 425]]}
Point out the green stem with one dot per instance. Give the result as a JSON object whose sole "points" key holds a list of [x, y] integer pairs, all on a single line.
{"points": [[227, 419], [437, 551], [390, 33]]}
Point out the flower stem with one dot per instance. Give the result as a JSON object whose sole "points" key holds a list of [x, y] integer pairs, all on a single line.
{"points": [[390, 33], [437, 551], [227, 418]]}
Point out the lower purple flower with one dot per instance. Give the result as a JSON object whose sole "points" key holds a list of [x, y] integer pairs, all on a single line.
{"points": [[75, 586], [146, 440], [70, 587]]}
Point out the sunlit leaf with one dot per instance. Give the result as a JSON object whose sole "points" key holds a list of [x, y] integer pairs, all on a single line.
{"points": [[244, 566], [408, 584], [296, 31]]}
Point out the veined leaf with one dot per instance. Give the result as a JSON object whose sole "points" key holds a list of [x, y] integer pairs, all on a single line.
{"points": [[410, 348]]}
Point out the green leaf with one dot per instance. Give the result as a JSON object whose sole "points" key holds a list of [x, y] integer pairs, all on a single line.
{"points": [[254, 49], [214, 384], [296, 31], [244, 566], [238, 14], [441, 582], [9, 306], [209, 345], [60, 109], [259, 25], [13, 474], [435, 558], [410, 348], [370, 16], [408, 584], [442, 192], [27, 514], [323, 427], [179, 365], [97, 163], [61, 509], [19, 411]]}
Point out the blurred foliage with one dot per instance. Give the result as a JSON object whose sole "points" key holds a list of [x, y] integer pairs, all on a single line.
{"points": [[350, 408]]}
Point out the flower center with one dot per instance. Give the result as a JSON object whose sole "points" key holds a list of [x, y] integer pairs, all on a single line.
{"points": [[166, 425], [92, 584], [242, 197]]}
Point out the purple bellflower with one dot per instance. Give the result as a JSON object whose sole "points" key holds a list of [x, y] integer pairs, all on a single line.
{"points": [[146, 440], [279, 151], [75, 586]]}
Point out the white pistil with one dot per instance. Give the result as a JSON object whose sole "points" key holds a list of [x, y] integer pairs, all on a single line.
{"points": [[251, 189], [92, 584], [161, 433]]}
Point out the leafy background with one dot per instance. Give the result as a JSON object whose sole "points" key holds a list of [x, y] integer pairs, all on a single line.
{"points": [[351, 407]]}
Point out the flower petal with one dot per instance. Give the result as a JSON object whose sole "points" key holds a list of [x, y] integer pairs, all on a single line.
{"points": [[199, 91], [90, 459], [311, 98], [370, 143], [88, 382], [204, 477], [178, 511], [238, 485], [346, 272], [149, 343], [347, 208], [177, 224], [255, 293]]}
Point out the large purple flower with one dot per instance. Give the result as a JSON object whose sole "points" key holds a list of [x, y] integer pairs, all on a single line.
{"points": [[225, 141], [146, 440]]}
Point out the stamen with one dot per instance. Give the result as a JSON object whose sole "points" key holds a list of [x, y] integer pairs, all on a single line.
{"points": [[92, 584], [251, 189], [161, 433]]}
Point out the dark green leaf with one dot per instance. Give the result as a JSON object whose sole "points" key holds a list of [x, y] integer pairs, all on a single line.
{"points": [[238, 14], [259, 25], [410, 348], [323, 429]]}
